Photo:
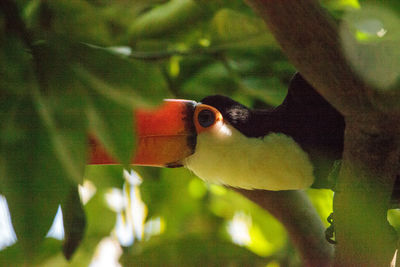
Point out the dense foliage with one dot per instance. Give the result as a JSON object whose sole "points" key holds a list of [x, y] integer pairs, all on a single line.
{"points": [[69, 68]]}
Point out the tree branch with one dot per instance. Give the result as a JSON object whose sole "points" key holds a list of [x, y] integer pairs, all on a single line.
{"points": [[311, 40], [295, 211]]}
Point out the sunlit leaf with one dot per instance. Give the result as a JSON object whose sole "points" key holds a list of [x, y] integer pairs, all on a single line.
{"points": [[341, 4], [322, 199]]}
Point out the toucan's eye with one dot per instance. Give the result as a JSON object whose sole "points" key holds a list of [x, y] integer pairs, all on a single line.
{"points": [[206, 118]]}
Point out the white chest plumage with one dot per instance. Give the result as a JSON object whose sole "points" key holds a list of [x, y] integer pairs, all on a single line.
{"points": [[225, 156]]}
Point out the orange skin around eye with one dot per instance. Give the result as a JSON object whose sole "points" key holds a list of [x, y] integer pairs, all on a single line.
{"points": [[201, 107]]}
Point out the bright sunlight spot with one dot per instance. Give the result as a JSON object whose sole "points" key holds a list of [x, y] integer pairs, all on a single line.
{"points": [[245, 233], [130, 222], [7, 234], [153, 227], [107, 253], [57, 229], [86, 191], [131, 210], [115, 199], [239, 229]]}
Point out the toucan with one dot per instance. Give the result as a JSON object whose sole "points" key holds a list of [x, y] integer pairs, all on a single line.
{"points": [[289, 147]]}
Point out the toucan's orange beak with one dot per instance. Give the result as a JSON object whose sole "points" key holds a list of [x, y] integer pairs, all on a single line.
{"points": [[165, 136]]}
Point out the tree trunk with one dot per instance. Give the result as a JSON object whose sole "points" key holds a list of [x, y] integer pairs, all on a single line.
{"points": [[310, 39]]}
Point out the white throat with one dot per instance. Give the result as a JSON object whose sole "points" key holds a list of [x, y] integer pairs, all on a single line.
{"points": [[225, 156]]}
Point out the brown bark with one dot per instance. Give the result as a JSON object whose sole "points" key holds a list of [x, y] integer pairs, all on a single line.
{"points": [[310, 39]]}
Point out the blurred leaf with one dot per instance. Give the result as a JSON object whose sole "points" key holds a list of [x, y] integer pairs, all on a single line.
{"points": [[105, 176], [14, 256], [394, 219], [126, 81], [74, 221], [192, 251], [341, 4], [74, 19], [15, 69], [99, 217], [240, 30], [108, 121], [209, 80], [32, 181], [265, 226], [269, 90], [372, 45], [171, 17], [61, 103], [167, 190], [393, 5]]}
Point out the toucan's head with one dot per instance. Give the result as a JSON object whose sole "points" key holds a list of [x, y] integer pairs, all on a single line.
{"points": [[206, 138]]}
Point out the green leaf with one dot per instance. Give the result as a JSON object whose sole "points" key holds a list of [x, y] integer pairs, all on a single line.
{"points": [[267, 235], [33, 179], [371, 48], [61, 102], [339, 5], [169, 18], [322, 199], [269, 90], [193, 251], [125, 81], [100, 218], [77, 20], [209, 80], [74, 220], [110, 123], [14, 68], [48, 249]]}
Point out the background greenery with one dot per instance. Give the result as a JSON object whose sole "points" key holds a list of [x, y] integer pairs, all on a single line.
{"points": [[70, 67]]}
